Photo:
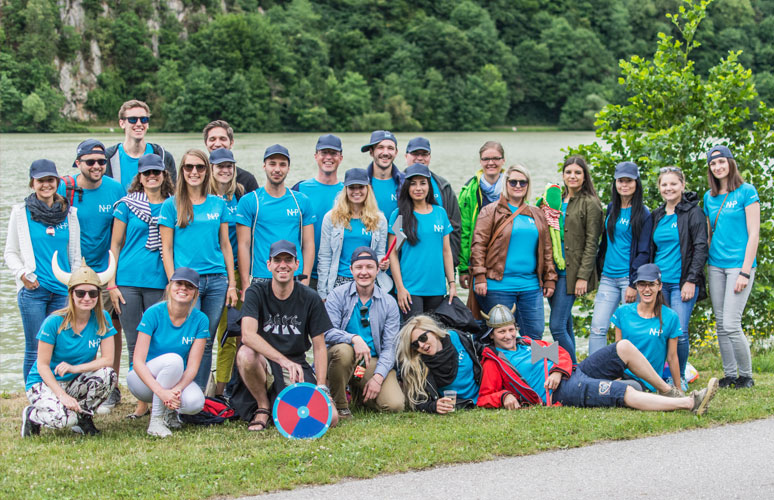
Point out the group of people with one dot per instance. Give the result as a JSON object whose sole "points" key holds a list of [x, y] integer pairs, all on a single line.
{"points": [[352, 271]]}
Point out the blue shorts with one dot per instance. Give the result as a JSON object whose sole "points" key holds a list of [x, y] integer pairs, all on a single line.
{"points": [[593, 383]]}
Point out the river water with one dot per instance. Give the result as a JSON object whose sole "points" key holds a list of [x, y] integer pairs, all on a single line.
{"points": [[454, 156]]}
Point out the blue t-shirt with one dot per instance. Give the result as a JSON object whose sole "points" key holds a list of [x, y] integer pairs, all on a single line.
{"points": [[231, 210], [278, 219], [95, 214], [357, 236], [421, 265], [197, 245], [729, 235], [321, 198], [356, 327], [166, 337], [646, 335], [45, 241], [137, 265], [618, 252], [386, 194], [668, 257], [533, 374], [129, 165], [436, 191], [563, 272], [69, 347], [465, 384], [520, 272]]}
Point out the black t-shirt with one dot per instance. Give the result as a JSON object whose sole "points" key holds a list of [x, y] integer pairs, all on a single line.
{"points": [[287, 325], [247, 180]]}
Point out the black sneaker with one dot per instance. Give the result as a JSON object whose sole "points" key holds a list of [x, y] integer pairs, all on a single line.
{"points": [[28, 428], [85, 426], [744, 383], [726, 382]]}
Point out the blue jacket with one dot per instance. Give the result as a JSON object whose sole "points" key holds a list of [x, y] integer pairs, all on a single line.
{"points": [[640, 251]]}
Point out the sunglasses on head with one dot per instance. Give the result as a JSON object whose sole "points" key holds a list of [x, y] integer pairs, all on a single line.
{"points": [[133, 119], [670, 169], [93, 294], [364, 321], [199, 168], [101, 162], [422, 338], [518, 182], [152, 172]]}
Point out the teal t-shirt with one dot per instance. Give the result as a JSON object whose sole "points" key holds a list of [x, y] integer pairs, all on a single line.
{"points": [[129, 165], [321, 199], [436, 192], [618, 252], [533, 374], [421, 265], [357, 236], [45, 241], [729, 235], [646, 335], [465, 383], [386, 194], [166, 337], [137, 265], [668, 257], [520, 273], [356, 327], [69, 347]]}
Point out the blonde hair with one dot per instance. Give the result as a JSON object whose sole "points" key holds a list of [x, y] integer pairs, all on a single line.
{"points": [[68, 313], [165, 298], [232, 188], [341, 213], [183, 203], [522, 170], [412, 370]]}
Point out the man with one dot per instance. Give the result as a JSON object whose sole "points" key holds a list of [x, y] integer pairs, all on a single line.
{"points": [[386, 178], [270, 214], [280, 322], [418, 151], [323, 188], [365, 327], [93, 195], [134, 119], [219, 134]]}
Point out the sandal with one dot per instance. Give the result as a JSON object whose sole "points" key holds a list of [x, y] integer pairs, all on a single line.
{"points": [[135, 416], [254, 424]]}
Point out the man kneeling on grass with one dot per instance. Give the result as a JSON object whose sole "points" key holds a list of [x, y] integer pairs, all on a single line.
{"points": [[510, 380]]}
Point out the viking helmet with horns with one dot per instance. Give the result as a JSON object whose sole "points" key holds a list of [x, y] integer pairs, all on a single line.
{"points": [[84, 275], [499, 316]]}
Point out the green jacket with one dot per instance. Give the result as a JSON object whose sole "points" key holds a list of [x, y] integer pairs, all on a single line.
{"points": [[470, 200], [582, 228]]}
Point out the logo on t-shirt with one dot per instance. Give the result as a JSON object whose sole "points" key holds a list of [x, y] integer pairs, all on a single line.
{"points": [[106, 208], [188, 340], [93, 344], [394, 197], [438, 228], [731, 204], [62, 226], [655, 331], [231, 210], [623, 221], [213, 216], [280, 324], [292, 212]]}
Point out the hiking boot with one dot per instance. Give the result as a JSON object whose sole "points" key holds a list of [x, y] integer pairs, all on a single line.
{"points": [[702, 398], [158, 428], [744, 383], [85, 425], [29, 428], [673, 392], [172, 419], [345, 414], [726, 382], [110, 402]]}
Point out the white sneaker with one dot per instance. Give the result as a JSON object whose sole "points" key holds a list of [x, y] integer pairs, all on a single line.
{"points": [[109, 403], [172, 419], [158, 428]]}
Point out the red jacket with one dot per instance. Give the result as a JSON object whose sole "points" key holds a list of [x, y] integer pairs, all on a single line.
{"points": [[500, 378]]}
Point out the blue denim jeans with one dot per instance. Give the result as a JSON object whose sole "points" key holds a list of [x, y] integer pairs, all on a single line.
{"points": [[34, 306], [529, 309], [212, 299], [610, 295], [672, 299], [594, 382], [560, 320]]}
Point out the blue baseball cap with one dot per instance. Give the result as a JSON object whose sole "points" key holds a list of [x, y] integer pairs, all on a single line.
{"points": [[328, 141], [149, 162], [648, 272], [418, 144], [186, 274], [221, 155], [364, 249], [87, 147], [627, 169], [378, 136], [417, 169], [356, 176], [719, 151], [43, 168], [282, 246], [276, 149]]}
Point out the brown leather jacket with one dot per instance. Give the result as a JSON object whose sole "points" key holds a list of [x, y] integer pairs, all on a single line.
{"points": [[489, 261]]}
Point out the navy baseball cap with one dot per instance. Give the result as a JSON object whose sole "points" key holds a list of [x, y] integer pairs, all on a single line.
{"points": [[356, 176], [149, 162], [221, 155], [417, 169], [87, 147], [364, 249], [627, 169], [186, 274], [276, 149], [282, 246], [378, 136], [328, 141], [418, 144], [648, 272], [43, 168], [719, 151]]}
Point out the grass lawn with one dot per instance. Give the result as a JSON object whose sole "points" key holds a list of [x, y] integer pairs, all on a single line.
{"points": [[226, 460]]}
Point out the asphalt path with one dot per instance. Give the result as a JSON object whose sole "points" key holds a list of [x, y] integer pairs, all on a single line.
{"points": [[732, 461]]}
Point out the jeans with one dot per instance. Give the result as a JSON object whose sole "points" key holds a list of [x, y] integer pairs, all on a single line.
{"points": [[34, 306], [137, 299], [610, 294], [529, 313], [594, 382], [560, 320], [728, 307], [212, 298], [672, 299]]}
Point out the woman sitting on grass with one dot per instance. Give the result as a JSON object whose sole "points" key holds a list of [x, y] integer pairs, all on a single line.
{"points": [[510, 380]]}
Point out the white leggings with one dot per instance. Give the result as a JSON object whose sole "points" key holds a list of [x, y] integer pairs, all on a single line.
{"points": [[167, 369]]}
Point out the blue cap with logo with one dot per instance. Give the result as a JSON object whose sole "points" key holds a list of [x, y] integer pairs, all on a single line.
{"points": [[357, 176], [221, 155], [149, 162], [719, 151], [186, 274], [418, 144], [378, 136], [648, 272], [417, 169], [88, 147], [282, 246], [328, 141], [627, 169], [43, 168], [276, 149]]}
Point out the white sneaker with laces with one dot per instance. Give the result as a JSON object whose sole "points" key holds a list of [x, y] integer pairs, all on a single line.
{"points": [[158, 427]]}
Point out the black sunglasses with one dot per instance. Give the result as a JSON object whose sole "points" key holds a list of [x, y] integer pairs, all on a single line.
{"points": [[82, 293], [422, 338], [518, 182], [199, 168], [147, 173], [364, 321], [101, 162], [133, 119]]}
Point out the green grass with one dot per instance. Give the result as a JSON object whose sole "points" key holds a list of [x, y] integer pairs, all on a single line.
{"points": [[123, 462]]}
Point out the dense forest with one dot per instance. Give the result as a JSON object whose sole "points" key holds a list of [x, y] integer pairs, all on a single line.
{"points": [[345, 64]]}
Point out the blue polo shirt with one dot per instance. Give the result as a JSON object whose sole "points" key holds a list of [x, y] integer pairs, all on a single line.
{"points": [[321, 199], [668, 257], [729, 235], [137, 265], [617, 254], [168, 338]]}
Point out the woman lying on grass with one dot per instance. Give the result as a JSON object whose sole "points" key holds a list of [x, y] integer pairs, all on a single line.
{"points": [[510, 379]]}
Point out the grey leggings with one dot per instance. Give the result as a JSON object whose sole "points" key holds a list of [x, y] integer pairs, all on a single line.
{"points": [[728, 307], [167, 369], [137, 299]]}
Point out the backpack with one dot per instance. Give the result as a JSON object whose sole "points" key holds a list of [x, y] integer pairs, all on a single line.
{"points": [[216, 411], [71, 188]]}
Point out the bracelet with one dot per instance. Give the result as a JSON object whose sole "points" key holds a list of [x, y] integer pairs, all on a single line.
{"points": [[111, 287], [451, 282], [232, 288], [746, 275]]}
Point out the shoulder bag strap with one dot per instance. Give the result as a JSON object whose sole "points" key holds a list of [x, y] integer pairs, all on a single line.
{"points": [[715, 224], [252, 237], [501, 227]]}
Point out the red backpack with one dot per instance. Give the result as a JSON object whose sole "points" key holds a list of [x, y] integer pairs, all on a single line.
{"points": [[216, 411]]}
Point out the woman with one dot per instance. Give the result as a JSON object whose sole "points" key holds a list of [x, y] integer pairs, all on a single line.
{"points": [[582, 216], [482, 189], [418, 273], [433, 360], [68, 381], [510, 380], [733, 212], [140, 280], [42, 225], [354, 221], [194, 233], [624, 248], [511, 259], [679, 248], [170, 345], [652, 329]]}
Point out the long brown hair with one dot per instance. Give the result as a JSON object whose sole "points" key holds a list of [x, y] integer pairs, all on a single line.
{"points": [[183, 203], [167, 188], [734, 179], [588, 184], [68, 313]]}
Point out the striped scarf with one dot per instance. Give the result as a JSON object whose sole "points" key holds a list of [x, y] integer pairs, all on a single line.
{"points": [[140, 206], [552, 215]]}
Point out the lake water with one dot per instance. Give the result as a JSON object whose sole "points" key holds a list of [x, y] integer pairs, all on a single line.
{"points": [[454, 156]]}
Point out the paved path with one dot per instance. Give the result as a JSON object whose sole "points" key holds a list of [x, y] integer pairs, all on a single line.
{"points": [[733, 461]]}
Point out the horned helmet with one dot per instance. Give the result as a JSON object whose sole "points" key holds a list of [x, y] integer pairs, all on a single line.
{"points": [[84, 275], [499, 316]]}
